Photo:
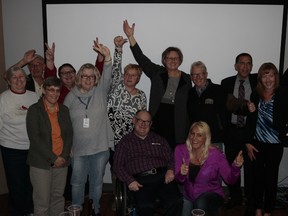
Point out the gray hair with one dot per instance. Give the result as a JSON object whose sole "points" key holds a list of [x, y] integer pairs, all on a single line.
{"points": [[10, 72]]}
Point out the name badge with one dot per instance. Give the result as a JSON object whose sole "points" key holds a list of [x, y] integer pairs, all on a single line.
{"points": [[86, 123]]}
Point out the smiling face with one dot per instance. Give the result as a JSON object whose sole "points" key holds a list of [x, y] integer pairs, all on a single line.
{"points": [[172, 60], [198, 76], [17, 81], [131, 77], [87, 79], [268, 80], [67, 76], [197, 138], [243, 66], [142, 124], [36, 68], [51, 95]]}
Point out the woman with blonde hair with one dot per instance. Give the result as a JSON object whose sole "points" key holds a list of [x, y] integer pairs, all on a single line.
{"points": [[200, 167], [87, 103]]}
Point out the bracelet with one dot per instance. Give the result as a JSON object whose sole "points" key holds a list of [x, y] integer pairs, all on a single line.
{"points": [[108, 60]]}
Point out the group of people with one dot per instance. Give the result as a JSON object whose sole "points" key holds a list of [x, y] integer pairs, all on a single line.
{"points": [[170, 153]]}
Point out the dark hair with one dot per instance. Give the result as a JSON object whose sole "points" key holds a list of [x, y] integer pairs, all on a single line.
{"points": [[52, 81], [170, 49], [65, 65], [241, 55]]}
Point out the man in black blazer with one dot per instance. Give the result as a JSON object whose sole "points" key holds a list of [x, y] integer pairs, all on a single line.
{"points": [[234, 132]]}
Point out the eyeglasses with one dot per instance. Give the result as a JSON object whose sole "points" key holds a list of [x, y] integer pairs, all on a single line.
{"points": [[66, 73], [200, 75], [146, 123], [53, 90], [87, 77], [172, 58]]}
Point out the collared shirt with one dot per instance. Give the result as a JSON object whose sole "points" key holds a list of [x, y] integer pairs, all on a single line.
{"points": [[134, 155]]}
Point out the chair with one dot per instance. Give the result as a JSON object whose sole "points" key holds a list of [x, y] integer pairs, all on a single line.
{"points": [[125, 204]]}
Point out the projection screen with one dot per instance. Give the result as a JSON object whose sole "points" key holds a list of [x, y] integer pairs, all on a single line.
{"points": [[212, 33]]}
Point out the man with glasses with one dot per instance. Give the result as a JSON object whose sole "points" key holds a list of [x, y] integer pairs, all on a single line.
{"points": [[144, 161], [39, 70], [206, 101]]}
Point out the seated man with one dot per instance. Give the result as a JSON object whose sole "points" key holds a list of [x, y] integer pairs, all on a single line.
{"points": [[144, 161]]}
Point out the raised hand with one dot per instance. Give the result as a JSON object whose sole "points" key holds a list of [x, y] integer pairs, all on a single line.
{"points": [[28, 57], [103, 50], [119, 41], [50, 52], [128, 30], [184, 168]]}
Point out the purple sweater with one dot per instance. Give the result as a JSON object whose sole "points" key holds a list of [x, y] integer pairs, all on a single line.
{"points": [[209, 178]]}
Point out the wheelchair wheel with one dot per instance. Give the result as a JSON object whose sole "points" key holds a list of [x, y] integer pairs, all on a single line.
{"points": [[123, 200]]}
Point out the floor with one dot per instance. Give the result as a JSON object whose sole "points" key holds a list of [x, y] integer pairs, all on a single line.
{"points": [[107, 201]]}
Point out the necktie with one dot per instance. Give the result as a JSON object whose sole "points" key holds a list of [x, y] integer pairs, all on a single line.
{"points": [[241, 95]]}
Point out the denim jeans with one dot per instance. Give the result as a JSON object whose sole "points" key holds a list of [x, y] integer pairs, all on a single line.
{"points": [[18, 181], [94, 167], [209, 202]]}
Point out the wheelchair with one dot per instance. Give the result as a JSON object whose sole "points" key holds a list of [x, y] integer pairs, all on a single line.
{"points": [[124, 200], [125, 204]]}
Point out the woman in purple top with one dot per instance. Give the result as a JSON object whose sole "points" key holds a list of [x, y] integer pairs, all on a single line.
{"points": [[200, 167]]}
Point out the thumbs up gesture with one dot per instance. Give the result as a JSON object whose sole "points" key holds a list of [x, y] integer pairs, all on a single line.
{"points": [[239, 160], [184, 168]]}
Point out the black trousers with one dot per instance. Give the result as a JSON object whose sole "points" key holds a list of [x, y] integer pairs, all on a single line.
{"points": [[154, 187], [234, 143], [266, 169]]}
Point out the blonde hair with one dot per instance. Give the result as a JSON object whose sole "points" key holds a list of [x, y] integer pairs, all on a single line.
{"points": [[96, 73], [204, 130]]}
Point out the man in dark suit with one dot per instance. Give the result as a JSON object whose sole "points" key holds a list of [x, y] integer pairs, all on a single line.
{"points": [[234, 125]]}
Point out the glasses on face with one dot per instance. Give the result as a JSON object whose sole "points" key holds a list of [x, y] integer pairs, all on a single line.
{"points": [[200, 75], [87, 77], [53, 90], [146, 123], [172, 58], [66, 73]]}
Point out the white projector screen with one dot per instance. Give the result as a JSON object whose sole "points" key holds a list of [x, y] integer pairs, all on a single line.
{"points": [[212, 33]]}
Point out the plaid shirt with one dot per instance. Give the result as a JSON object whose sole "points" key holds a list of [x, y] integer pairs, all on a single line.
{"points": [[134, 155]]}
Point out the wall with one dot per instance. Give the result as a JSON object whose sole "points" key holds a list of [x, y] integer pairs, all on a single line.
{"points": [[23, 30], [3, 184]]}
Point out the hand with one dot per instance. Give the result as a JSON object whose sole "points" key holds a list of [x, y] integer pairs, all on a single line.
{"points": [[128, 30], [250, 150], [169, 176], [29, 56], [119, 41], [251, 106], [134, 186], [101, 49], [59, 162], [184, 168], [239, 160], [50, 52]]}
